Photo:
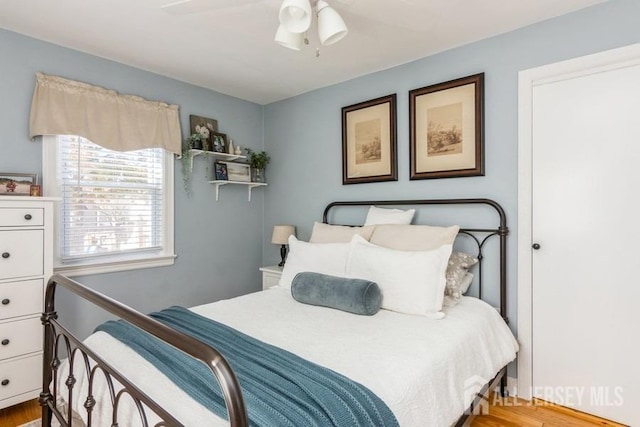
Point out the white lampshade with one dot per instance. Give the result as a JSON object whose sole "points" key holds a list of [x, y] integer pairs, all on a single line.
{"points": [[295, 15], [288, 39], [331, 26], [281, 234]]}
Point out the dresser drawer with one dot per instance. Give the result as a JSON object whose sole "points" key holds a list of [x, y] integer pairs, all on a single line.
{"points": [[21, 298], [21, 253], [20, 337], [20, 376], [21, 217]]}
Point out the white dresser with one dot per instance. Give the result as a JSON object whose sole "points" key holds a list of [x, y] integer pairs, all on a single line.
{"points": [[26, 263]]}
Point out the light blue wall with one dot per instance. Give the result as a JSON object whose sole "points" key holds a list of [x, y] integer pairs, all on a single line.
{"points": [[303, 134], [218, 243]]}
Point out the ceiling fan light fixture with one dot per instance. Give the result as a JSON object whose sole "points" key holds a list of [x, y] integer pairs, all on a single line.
{"points": [[288, 39], [331, 26], [295, 15]]}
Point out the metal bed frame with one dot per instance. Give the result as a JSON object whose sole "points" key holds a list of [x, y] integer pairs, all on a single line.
{"points": [[57, 338]]}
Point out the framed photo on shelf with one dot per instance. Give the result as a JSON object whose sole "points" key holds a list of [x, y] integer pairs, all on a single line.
{"points": [[17, 184], [219, 141], [369, 141], [240, 172], [205, 127], [221, 171], [446, 126]]}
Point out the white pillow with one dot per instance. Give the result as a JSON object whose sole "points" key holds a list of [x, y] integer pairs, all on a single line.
{"points": [[377, 216], [324, 258], [326, 233], [411, 282]]}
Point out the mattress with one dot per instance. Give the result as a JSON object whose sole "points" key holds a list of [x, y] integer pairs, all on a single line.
{"points": [[427, 371]]}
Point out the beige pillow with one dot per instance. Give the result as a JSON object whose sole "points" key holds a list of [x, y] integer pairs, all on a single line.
{"points": [[413, 237], [325, 233]]}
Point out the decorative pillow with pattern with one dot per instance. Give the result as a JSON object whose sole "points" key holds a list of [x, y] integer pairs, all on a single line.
{"points": [[456, 282]]}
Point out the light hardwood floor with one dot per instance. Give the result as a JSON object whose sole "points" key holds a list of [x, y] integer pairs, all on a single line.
{"points": [[19, 414], [509, 413]]}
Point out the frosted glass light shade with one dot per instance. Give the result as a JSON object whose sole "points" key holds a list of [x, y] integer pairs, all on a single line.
{"points": [[331, 26], [288, 39], [295, 15]]}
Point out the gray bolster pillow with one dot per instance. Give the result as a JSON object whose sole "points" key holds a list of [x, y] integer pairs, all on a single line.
{"points": [[355, 296]]}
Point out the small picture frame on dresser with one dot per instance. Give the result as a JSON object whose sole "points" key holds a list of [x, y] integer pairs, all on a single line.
{"points": [[35, 191], [17, 184]]}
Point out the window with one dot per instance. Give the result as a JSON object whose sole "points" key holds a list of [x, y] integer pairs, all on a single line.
{"points": [[116, 211]]}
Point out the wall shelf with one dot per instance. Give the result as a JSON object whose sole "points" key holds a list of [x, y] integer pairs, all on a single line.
{"points": [[216, 156], [250, 186]]}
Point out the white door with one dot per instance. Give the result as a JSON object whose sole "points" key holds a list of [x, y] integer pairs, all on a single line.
{"points": [[586, 220]]}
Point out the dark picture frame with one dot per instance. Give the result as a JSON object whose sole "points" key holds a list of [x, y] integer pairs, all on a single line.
{"points": [[446, 129], [219, 142], [198, 123], [17, 184], [369, 146], [221, 173]]}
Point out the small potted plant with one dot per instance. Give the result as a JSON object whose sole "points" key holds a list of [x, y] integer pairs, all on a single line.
{"points": [[258, 162], [194, 141]]}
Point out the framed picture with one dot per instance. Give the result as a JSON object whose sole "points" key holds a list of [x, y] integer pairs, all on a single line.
{"points": [[219, 142], [205, 127], [369, 141], [238, 171], [446, 125], [17, 184], [221, 171]]}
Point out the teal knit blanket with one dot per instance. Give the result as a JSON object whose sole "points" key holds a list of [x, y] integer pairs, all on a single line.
{"points": [[279, 388]]}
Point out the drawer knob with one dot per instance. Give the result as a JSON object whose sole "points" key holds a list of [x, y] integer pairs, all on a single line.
{"points": [[5, 382], [6, 301], [6, 255], [5, 342], [28, 217]]}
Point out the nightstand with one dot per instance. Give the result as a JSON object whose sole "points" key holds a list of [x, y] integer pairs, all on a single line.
{"points": [[270, 276]]}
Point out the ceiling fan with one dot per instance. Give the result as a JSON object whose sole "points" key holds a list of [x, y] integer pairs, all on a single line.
{"points": [[295, 18]]}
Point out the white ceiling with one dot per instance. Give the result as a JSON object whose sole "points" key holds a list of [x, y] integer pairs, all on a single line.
{"points": [[231, 50]]}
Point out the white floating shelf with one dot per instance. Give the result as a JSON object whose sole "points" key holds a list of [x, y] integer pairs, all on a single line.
{"points": [[250, 186], [217, 156]]}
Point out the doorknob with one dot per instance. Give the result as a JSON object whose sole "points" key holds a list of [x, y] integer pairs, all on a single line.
{"points": [[536, 246]]}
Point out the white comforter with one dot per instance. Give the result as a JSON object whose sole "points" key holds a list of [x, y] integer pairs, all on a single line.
{"points": [[427, 371]]}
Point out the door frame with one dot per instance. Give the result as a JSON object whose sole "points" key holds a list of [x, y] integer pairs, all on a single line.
{"points": [[527, 80]]}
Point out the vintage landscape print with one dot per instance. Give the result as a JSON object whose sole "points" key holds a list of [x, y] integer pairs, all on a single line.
{"points": [[368, 141], [444, 130]]}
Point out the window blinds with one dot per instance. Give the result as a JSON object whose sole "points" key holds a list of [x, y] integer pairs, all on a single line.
{"points": [[112, 201]]}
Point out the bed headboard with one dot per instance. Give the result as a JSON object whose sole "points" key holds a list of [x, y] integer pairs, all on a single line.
{"points": [[479, 236]]}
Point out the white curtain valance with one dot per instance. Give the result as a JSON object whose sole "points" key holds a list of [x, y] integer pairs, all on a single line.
{"points": [[105, 117]]}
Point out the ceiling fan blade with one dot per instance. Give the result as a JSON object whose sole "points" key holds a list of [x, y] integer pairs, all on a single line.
{"points": [[183, 7]]}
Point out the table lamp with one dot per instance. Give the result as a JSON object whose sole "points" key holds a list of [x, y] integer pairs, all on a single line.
{"points": [[280, 236]]}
